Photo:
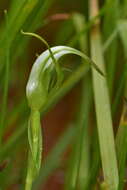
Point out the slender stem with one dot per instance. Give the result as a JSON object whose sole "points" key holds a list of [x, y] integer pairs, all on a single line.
{"points": [[35, 152], [31, 167]]}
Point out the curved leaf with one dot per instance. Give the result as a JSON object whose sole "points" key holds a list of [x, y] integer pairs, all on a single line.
{"points": [[37, 86]]}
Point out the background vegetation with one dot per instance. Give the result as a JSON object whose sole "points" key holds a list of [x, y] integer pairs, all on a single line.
{"points": [[84, 128]]}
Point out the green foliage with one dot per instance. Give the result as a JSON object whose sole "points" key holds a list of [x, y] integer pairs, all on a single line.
{"points": [[97, 133]]}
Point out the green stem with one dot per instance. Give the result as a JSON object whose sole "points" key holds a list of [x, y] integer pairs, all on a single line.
{"points": [[35, 142], [29, 178]]}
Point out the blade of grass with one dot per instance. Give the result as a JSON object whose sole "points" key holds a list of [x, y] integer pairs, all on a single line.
{"points": [[109, 25], [120, 90], [96, 162], [82, 151], [71, 173], [87, 174], [121, 144], [122, 24], [103, 110], [110, 39], [121, 138], [84, 139], [122, 29], [6, 84]]}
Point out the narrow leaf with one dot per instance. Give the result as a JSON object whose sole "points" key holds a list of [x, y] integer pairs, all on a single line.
{"points": [[103, 109]]}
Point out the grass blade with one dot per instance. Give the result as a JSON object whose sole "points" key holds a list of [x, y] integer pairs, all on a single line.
{"points": [[121, 144], [109, 26], [83, 140], [6, 84], [121, 138], [103, 110]]}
